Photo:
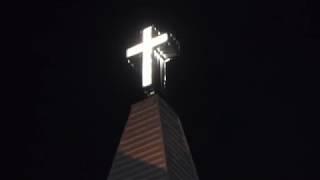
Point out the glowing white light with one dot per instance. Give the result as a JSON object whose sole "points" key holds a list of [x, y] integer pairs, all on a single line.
{"points": [[160, 39], [134, 50], [146, 57], [148, 43]]}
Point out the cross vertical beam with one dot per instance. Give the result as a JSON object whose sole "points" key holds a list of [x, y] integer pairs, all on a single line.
{"points": [[147, 57]]}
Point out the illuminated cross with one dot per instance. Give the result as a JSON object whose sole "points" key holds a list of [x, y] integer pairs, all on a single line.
{"points": [[146, 48]]}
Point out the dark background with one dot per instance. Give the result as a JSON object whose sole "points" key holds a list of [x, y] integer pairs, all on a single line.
{"points": [[245, 85]]}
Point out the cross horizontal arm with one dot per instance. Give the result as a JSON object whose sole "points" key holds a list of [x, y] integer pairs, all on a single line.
{"points": [[159, 39], [134, 50]]}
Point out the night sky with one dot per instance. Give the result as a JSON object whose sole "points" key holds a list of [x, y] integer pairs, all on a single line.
{"points": [[245, 85]]}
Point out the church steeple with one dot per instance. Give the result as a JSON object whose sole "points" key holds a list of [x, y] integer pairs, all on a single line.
{"points": [[153, 145]]}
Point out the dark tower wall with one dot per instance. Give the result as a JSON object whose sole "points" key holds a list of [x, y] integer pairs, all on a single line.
{"points": [[179, 160]]}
